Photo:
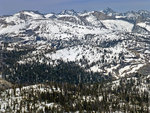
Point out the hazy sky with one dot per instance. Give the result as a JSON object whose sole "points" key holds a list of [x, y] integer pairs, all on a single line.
{"points": [[8, 7]]}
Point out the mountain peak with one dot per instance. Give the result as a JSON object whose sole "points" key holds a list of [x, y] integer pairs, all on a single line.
{"points": [[29, 14], [144, 12], [109, 11], [30, 11], [68, 12]]}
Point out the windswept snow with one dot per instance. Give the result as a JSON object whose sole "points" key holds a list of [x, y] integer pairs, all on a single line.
{"points": [[144, 25], [118, 25]]}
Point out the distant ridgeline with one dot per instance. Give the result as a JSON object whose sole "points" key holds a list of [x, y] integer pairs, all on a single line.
{"points": [[74, 47]]}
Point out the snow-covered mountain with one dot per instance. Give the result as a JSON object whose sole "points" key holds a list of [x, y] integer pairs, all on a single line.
{"points": [[107, 42]]}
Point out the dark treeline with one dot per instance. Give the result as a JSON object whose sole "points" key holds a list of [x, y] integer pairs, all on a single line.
{"points": [[64, 97], [32, 72], [35, 72]]}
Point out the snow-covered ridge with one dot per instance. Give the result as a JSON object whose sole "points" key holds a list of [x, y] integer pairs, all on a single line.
{"points": [[144, 25], [104, 38], [118, 25]]}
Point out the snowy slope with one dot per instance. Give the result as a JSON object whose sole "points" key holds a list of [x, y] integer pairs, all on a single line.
{"points": [[107, 44], [118, 25], [144, 25]]}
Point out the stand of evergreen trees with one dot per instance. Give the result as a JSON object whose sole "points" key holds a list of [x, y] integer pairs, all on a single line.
{"points": [[33, 72], [64, 97]]}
